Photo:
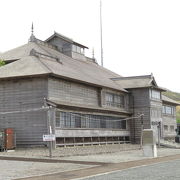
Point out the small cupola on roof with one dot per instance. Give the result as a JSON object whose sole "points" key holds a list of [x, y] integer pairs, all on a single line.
{"points": [[67, 46]]}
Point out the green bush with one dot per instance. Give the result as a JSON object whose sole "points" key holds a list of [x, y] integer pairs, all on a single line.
{"points": [[2, 63]]}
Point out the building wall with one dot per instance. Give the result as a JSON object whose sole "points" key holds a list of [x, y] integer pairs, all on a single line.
{"points": [[90, 132], [156, 116], [78, 56], [143, 102], [92, 124], [139, 104], [105, 104], [72, 93], [22, 95], [76, 94], [169, 123]]}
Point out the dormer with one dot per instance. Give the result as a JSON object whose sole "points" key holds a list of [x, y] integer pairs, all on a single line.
{"points": [[67, 46]]}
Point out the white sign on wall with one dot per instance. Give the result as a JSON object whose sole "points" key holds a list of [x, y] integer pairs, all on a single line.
{"points": [[49, 137]]}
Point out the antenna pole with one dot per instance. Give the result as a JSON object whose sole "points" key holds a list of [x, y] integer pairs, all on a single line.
{"points": [[32, 28], [101, 33]]}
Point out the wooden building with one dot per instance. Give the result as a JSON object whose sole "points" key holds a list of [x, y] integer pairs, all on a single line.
{"points": [[169, 123], [90, 104]]}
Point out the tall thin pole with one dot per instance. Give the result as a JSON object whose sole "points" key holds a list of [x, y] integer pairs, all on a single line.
{"points": [[101, 33], [159, 134], [142, 127]]}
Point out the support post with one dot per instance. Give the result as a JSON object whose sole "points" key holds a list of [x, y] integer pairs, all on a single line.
{"points": [[50, 131], [142, 127], [159, 125]]}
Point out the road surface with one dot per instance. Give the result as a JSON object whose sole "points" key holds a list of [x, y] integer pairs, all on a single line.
{"points": [[160, 171]]}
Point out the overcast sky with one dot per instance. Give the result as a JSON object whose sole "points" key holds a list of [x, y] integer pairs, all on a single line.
{"points": [[139, 36]]}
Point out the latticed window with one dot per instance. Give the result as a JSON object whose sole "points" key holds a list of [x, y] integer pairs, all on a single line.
{"points": [[77, 120], [172, 128], [154, 94], [165, 127], [114, 100], [169, 110]]}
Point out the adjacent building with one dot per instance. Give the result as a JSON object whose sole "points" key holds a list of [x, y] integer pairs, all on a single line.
{"points": [[169, 123], [52, 86]]}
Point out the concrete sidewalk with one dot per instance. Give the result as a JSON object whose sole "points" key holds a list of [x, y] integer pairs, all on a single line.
{"points": [[60, 152], [105, 153], [123, 156]]}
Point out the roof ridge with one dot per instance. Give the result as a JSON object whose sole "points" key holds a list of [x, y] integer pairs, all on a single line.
{"points": [[44, 65], [65, 38], [131, 77]]}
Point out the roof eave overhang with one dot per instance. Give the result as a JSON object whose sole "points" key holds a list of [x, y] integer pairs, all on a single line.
{"points": [[65, 39], [88, 83], [170, 102], [159, 88], [87, 108], [143, 87], [23, 77]]}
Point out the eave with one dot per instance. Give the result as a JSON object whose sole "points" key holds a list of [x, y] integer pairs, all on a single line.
{"points": [[77, 107]]}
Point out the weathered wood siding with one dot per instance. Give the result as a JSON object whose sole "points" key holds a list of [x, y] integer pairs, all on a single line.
{"points": [[126, 99], [140, 103], [20, 95], [169, 120], [156, 115], [73, 93], [90, 132]]}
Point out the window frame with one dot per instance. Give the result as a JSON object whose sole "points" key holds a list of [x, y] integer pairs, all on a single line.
{"points": [[155, 94], [166, 112], [114, 100], [89, 121]]}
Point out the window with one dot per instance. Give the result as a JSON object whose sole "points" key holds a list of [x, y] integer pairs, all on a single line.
{"points": [[77, 120], [165, 127], [77, 49], [74, 48], [172, 128], [154, 94], [114, 100], [169, 110]]}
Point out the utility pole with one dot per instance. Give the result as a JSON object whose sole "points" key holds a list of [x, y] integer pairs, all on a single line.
{"points": [[142, 127], [159, 128], [50, 131], [101, 33], [50, 134]]}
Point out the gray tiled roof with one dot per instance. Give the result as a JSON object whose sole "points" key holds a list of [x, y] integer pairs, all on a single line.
{"points": [[84, 71], [26, 66], [64, 38], [135, 81], [168, 100], [20, 52]]}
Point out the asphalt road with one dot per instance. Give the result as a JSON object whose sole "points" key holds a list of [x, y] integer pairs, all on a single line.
{"points": [[160, 171]]}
